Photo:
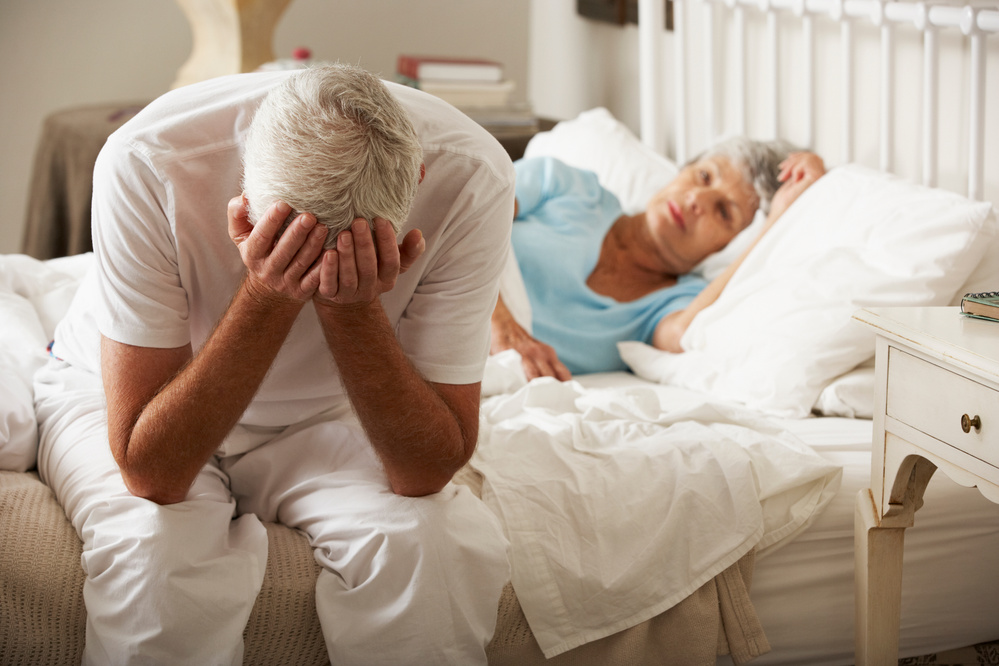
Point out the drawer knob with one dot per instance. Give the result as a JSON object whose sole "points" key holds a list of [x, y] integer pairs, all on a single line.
{"points": [[969, 422]]}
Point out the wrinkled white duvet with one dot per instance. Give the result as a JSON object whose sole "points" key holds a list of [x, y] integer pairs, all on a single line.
{"points": [[34, 295], [622, 498]]}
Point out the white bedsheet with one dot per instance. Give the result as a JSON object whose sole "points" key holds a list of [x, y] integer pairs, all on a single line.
{"points": [[621, 499], [803, 591], [33, 297]]}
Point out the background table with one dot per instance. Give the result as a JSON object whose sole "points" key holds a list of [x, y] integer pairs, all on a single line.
{"points": [[58, 222]]}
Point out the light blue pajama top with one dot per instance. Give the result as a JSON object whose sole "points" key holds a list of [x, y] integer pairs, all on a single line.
{"points": [[563, 216]]}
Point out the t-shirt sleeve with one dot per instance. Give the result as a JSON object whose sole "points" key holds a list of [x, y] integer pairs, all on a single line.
{"points": [[140, 298], [445, 326]]}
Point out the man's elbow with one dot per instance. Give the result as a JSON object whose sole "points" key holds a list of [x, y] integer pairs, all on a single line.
{"points": [[151, 487], [155, 493], [417, 488], [429, 480]]}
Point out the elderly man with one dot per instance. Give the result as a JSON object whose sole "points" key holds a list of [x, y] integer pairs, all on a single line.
{"points": [[295, 364]]}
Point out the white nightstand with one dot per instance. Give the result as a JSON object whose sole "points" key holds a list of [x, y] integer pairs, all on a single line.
{"points": [[936, 406]]}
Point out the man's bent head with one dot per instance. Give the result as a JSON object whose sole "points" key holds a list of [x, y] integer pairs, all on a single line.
{"points": [[332, 141]]}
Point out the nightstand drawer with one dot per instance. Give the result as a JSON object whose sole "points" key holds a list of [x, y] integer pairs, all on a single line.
{"points": [[942, 403]]}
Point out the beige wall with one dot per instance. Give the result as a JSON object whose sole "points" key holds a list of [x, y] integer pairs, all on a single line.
{"points": [[56, 54], [577, 63]]}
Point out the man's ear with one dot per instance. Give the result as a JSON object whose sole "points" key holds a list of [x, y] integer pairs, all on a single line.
{"points": [[423, 171]]}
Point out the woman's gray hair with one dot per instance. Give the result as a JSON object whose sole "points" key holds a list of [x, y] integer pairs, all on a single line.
{"points": [[759, 162], [332, 141]]}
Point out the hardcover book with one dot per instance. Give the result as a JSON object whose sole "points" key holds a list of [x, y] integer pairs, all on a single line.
{"points": [[984, 305], [441, 68], [468, 95]]}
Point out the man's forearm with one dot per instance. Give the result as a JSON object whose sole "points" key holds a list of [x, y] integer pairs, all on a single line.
{"points": [[413, 427], [183, 424]]}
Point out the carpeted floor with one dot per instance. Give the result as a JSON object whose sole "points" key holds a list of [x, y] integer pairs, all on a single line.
{"points": [[983, 654]]}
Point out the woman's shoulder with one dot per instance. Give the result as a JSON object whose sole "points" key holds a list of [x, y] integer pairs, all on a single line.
{"points": [[547, 178]]}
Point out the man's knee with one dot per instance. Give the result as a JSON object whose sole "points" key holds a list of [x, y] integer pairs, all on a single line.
{"points": [[425, 586]]}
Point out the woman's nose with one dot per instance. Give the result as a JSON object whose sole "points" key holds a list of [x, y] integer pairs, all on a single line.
{"points": [[698, 200]]}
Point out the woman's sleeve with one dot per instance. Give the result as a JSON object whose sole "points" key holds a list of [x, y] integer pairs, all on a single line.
{"points": [[541, 179]]}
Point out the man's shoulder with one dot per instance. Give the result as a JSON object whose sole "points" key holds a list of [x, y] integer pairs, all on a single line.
{"points": [[446, 132], [198, 117]]}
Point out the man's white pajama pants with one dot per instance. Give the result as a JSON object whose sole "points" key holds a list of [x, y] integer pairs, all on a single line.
{"points": [[404, 580]]}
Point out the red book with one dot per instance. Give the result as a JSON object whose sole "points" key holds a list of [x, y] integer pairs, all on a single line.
{"points": [[438, 68]]}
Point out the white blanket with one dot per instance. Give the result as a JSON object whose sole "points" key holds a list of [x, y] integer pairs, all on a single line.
{"points": [[33, 297], [621, 500]]}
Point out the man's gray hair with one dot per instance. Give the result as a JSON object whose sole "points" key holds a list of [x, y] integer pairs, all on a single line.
{"points": [[332, 141], [759, 162]]}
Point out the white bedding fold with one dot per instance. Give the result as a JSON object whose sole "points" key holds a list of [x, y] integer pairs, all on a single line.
{"points": [[33, 297], [621, 501]]}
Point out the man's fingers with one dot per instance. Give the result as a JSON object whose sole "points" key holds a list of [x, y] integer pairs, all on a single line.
{"points": [[309, 251], [261, 241], [294, 238], [347, 267], [365, 255], [310, 281], [412, 248], [239, 219], [388, 251], [329, 274]]}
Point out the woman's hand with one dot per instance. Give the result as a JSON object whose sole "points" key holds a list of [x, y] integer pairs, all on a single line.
{"points": [[797, 173], [537, 358], [366, 263], [283, 267]]}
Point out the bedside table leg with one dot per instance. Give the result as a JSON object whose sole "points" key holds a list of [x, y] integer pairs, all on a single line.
{"points": [[878, 585]]}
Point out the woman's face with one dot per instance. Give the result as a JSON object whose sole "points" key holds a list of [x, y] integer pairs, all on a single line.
{"points": [[705, 206]]}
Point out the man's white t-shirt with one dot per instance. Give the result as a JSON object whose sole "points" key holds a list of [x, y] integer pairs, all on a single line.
{"points": [[166, 268]]}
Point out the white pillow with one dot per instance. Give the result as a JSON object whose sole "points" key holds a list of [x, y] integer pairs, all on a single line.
{"points": [[851, 395], [985, 277], [598, 142], [782, 330]]}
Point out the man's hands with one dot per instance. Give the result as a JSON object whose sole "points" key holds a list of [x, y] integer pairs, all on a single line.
{"points": [[366, 263], [295, 268], [282, 267]]}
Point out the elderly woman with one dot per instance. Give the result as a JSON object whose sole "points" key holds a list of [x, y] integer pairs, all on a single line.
{"points": [[595, 276]]}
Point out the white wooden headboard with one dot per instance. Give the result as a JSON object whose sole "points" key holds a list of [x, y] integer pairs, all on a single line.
{"points": [[773, 48]]}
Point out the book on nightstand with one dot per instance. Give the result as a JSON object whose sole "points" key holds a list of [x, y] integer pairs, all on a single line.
{"points": [[467, 83], [984, 305], [464, 94], [440, 68]]}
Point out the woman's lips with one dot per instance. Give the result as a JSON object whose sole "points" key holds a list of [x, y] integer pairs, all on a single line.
{"points": [[677, 214]]}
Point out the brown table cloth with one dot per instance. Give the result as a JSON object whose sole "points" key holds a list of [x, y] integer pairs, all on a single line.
{"points": [[58, 218]]}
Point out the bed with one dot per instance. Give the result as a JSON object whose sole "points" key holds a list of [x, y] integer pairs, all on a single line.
{"points": [[762, 430]]}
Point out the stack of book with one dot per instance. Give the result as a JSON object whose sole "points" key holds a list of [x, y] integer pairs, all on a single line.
{"points": [[475, 85], [467, 83]]}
